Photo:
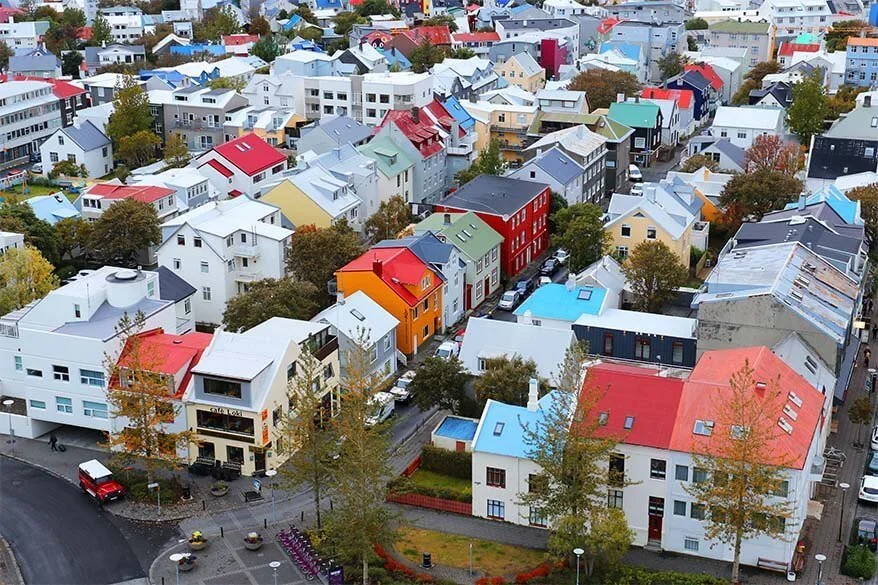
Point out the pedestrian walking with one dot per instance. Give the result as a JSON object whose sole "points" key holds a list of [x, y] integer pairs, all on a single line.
{"points": [[875, 331], [867, 355], [53, 441]]}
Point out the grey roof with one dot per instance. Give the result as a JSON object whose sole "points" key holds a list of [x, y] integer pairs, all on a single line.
{"points": [[781, 91], [494, 195], [35, 62], [857, 124], [344, 130], [103, 322], [527, 63], [426, 246], [736, 153], [559, 166], [172, 287], [86, 136]]}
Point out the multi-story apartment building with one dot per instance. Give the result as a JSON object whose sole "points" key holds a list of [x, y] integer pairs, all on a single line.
{"points": [[126, 22], [245, 165], [649, 11], [793, 17], [589, 152], [276, 126], [861, 62], [197, 113], [23, 35], [29, 114], [756, 37], [507, 123], [510, 28], [657, 39], [223, 246]]}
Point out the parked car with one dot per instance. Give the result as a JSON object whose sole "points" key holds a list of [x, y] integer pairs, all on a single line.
{"points": [[874, 441], [458, 337], [872, 464], [509, 299], [448, 350], [550, 267], [865, 533], [634, 174], [545, 280], [382, 404], [637, 190], [868, 489], [401, 391], [97, 481], [561, 255], [37, 168], [525, 286]]}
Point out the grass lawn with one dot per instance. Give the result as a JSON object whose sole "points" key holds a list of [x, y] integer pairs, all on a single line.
{"points": [[35, 190], [425, 478], [452, 550]]}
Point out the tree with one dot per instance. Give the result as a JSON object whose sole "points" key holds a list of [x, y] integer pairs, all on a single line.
{"points": [[696, 161], [123, 230], [344, 23], [489, 162], [860, 413], [73, 234], [837, 36], [806, 114], [176, 152], [267, 298], [64, 29], [441, 383], [139, 149], [867, 195], [305, 12], [753, 80], [217, 22], [603, 86], [316, 253], [130, 112], [844, 100], [671, 65], [305, 432], [654, 273], [311, 34], [506, 380], [101, 32], [358, 485], [25, 276], [756, 194], [443, 20], [691, 43], [65, 168], [425, 55], [771, 153], [556, 204], [70, 63], [373, 7], [696, 24], [5, 54], [581, 232], [138, 398], [392, 217], [20, 218], [743, 465], [266, 49], [461, 53], [259, 26], [236, 84]]}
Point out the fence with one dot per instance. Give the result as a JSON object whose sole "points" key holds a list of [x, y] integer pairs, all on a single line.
{"points": [[412, 467], [432, 503]]}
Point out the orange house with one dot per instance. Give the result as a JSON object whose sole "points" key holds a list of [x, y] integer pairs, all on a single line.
{"points": [[404, 286]]}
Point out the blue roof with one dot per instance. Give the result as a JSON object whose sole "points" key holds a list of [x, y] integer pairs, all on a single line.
{"points": [[322, 4], [190, 50], [559, 166], [554, 301], [52, 208], [847, 209], [630, 50], [396, 58], [293, 21], [462, 429], [501, 429], [452, 105]]}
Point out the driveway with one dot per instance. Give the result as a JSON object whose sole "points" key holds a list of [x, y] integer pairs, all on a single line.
{"points": [[58, 534]]}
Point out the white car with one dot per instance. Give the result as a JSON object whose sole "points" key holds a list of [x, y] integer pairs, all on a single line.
{"points": [[508, 301], [401, 390], [37, 168], [382, 404], [561, 255], [874, 441], [869, 489], [448, 350], [545, 280], [634, 174], [637, 189]]}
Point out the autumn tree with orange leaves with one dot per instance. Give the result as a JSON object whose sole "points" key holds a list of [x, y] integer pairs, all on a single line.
{"points": [[772, 153]]}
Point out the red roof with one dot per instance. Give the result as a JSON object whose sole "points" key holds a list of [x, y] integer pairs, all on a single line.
{"points": [[683, 97], [233, 40], [437, 112], [219, 167], [435, 35], [250, 153], [799, 405], [709, 74], [638, 392], [234, 193], [380, 36], [787, 49], [473, 8], [400, 270], [607, 24], [476, 37], [6, 12], [168, 354], [144, 194], [61, 89], [421, 133]]}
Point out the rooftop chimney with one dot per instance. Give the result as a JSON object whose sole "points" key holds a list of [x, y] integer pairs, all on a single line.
{"points": [[867, 101], [377, 267], [416, 115], [446, 219], [620, 97], [802, 199], [571, 282], [533, 395]]}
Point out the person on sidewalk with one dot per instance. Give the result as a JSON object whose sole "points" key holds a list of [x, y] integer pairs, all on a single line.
{"points": [[867, 355], [53, 441]]}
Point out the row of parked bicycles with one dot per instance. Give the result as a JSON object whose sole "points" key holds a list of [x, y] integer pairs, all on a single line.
{"points": [[298, 547]]}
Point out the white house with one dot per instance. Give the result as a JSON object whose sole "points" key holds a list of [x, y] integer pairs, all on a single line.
{"points": [[553, 167], [10, 240], [223, 246], [82, 144], [245, 165], [741, 125]]}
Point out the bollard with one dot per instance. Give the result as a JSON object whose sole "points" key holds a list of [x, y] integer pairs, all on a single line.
{"points": [[303, 516], [222, 535], [203, 505], [265, 522], [163, 580]]}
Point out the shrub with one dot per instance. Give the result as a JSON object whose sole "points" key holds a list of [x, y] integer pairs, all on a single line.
{"points": [[536, 573], [859, 563], [639, 576], [404, 485], [454, 463]]}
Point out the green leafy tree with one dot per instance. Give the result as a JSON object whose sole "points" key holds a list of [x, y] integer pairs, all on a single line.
{"points": [[176, 153], [130, 112], [20, 218], [282, 14], [217, 22], [867, 195], [123, 230], [373, 7], [64, 29], [443, 20], [603, 86], [653, 273], [696, 161], [461, 53], [425, 55], [844, 100], [671, 65], [65, 168], [70, 62], [691, 43], [101, 32], [311, 34], [489, 162], [696, 24], [556, 204], [73, 235], [139, 149], [756, 194], [304, 11], [860, 413], [25, 276], [392, 217], [266, 48], [267, 298], [5, 54], [227, 83], [753, 80], [316, 253], [836, 38], [344, 23], [742, 464], [441, 383], [506, 380], [580, 231], [809, 109]]}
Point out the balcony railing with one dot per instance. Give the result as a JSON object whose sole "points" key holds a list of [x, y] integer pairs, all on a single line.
{"points": [[245, 250], [196, 125], [460, 150], [247, 276], [327, 348]]}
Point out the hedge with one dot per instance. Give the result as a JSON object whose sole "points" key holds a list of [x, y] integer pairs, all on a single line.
{"points": [[454, 463], [403, 485], [859, 562], [639, 576]]}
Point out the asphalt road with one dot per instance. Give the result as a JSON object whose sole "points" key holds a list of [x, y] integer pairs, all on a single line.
{"points": [[59, 535]]}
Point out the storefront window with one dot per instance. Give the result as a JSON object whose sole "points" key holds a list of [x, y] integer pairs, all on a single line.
{"points": [[224, 422]]}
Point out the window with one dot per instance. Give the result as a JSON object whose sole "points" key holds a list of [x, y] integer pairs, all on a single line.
{"points": [[742, 135], [328, 372], [677, 352], [608, 344], [679, 508], [626, 230], [34, 373], [617, 469], [690, 543], [222, 387], [196, 241], [177, 263], [18, 365], [869, 152], [681, 473], [640, 142], [205, 267], [60, 140], [699, 475], [64, 405], [538, 517], [94, 409], [61, 373], [496, 509], [658, 468], [53, 156], [91, 378], [494, 276], [622, 252], [37, 404], [187, 306], [205, 293], [697, 511], [614, 499], [650, 232], [782, 490], [181, 240], [495, 477], [641, 348]]}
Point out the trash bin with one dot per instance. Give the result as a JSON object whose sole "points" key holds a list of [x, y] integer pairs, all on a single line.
{"points": [[187, 492], [428, 561]]}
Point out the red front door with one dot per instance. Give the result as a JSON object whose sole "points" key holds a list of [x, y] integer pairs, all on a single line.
{"points": [[656, 513]]}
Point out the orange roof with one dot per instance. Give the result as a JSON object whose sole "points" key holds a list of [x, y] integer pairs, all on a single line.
{"points": [[476, 37], [435, 35], [862, 41], [144, 194], [787, 49], [168, 354], [399, 269], [797, 411], [607, 24]]}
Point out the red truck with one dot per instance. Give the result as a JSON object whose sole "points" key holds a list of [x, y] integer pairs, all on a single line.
{"points": [[97, 481]]}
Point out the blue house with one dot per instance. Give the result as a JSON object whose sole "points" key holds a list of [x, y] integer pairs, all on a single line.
{"points": [[466, 121], [861, 62], [700, 87], [559, 305], [52, 208]]}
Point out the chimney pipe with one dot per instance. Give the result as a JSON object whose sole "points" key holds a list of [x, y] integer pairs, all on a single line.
{"points": [[802, 200], [533, 395], [416, 115], [867, 101], [377, 267], [446, 219]]}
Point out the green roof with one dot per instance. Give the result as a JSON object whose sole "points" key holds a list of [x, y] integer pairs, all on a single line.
{"points": [[390, 159], [634, 114], [610, 129], [467, 231], [735, 26]]}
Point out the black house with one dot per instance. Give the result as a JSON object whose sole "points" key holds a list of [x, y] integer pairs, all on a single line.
{"points": [[850, 146]]}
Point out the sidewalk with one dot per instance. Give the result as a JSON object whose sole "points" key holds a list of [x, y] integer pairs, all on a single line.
{"points": [[10, 574]]}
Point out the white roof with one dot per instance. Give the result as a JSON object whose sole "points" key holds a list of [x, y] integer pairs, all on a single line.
{"points": [[664, 210], [638, 322], [357, 313], [305, 57], [396, 78], [223, 218], [577, 139], [95, 469], [12, 88], [744, 117], [104, 80]]}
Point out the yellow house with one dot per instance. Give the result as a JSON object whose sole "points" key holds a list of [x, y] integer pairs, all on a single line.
{"points": [[271, 124], [656, 216], [522, 70], [315, 197], [508, 123]]}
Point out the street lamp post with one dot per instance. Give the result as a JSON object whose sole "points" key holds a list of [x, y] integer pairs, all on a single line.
{"points": [[578, 552], [8, 405], [844, 489], [820, 560], [274, 565], [176, 558], [270, 475]]}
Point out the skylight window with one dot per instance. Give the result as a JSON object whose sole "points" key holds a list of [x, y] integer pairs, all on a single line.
{"points": [[788, 410], [703, 427], [629, 422], [358, 315], [498, 428], [584, 294], [794, 398]]}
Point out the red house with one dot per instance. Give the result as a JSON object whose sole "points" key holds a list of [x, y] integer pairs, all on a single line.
{"points": [[517, 210]]}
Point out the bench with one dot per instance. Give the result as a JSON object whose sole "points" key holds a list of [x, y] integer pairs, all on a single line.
{"points": [[770, 565]]}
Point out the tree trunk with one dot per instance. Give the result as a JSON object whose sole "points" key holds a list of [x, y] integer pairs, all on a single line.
{"points": [[366, 568], [736, 563], [859, 433], [317, 501]]}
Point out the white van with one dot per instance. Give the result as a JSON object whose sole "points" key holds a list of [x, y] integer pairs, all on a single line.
{"points": [[383, 404]]}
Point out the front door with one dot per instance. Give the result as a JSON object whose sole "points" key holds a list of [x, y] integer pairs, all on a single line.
{"points": [[487, 283], [656, 513], [259, 461]]}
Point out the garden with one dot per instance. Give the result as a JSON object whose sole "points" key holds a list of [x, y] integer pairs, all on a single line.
{"points": [[441, 474], [135, 481]]}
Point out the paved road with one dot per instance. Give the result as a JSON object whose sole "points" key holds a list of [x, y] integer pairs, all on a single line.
{"points": [[56, 531]]}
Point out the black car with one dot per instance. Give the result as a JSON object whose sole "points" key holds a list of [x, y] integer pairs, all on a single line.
{"points": [[866, 533], [524, 286], [550, 267]]}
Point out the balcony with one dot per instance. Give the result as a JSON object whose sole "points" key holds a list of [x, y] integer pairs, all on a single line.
{"points": [[248, 275], [196, 125], [245, 250], [459, 150], [327, 348]]}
